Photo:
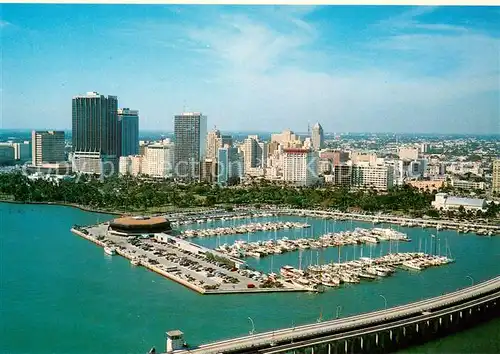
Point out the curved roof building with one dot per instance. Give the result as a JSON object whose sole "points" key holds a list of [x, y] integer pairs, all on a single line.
{"points": [[140, 225]]}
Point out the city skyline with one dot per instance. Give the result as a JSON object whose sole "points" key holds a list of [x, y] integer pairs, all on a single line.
{"points": [[382, 69]]}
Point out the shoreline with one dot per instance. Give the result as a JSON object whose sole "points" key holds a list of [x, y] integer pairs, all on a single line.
{"points": [[83, 208]]}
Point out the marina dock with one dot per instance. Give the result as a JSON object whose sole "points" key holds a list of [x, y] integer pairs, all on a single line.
{"points": [[258, 249], [221, 270], [202, 274]]}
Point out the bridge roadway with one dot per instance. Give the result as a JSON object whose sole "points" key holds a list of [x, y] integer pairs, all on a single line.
{"points": [[382, 327], [385, 318]]}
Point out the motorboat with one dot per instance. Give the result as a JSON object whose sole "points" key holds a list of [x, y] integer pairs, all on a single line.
{"points": [[110, 250]]}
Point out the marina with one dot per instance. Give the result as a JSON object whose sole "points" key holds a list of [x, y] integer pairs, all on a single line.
{"points": [[258, 249], [364, 268], [481, 227], [221, 270], [244, 229]]}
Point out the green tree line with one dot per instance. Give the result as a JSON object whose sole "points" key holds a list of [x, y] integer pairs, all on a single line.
{"points": [[126, 193]]}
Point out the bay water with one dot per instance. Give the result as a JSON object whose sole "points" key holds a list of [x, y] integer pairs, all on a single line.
{"points": [[61, 294]]}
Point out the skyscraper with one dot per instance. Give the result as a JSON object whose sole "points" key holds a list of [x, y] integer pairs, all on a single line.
{"points": [[317, 137], [213, 141], [47, 147], [254, 153], [300, 166], [159, 159], [128, 132], [190, 131], [229, 165], [95, 133], [496, 176]]}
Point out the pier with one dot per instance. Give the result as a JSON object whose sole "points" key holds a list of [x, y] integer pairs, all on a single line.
{"points": [[258, 249], [391, 219], [198, 268], [244, 229]]}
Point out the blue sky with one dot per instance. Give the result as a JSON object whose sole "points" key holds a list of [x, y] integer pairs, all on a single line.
{"points": [[257, 68]]}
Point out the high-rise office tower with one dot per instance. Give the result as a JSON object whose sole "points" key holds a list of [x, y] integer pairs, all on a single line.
{"points": [[128, 132], [190, 131], [496, 176], [47, 147], [317, 137], [95, 133], [213, 141], [229, 165]]}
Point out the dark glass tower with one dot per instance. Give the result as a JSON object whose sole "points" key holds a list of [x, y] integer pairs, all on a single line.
{"points": [[128, 132], [94, 131]]}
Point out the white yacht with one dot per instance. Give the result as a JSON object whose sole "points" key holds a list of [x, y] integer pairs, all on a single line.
{"points": [[135, 262], [110, 250]]}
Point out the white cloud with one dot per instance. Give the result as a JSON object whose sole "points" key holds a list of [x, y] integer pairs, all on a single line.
{"points": [[263, 74]]}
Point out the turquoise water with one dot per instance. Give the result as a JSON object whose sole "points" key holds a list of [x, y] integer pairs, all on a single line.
{"points": [[61, 294]]}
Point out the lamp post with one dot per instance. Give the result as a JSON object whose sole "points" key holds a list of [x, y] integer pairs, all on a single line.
{"points": [[253, 327], [471, 279], [385, 301]]}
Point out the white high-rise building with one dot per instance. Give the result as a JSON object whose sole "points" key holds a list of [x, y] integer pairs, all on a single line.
{"points": [[159, 159], [300, 166], [379, 177], [495, 183], [213, 141], [317, 137], [254, 154]]}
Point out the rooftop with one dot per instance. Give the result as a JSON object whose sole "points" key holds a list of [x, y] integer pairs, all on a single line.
{"points": [[174, 333], [130, 220], [465, 201]]}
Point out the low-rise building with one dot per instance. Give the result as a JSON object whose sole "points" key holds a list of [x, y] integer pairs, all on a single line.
{"points": [[430, 186], [443, 201], [467, 185]]}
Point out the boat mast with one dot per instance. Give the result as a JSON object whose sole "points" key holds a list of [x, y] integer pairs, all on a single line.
{"points": [[300, 259]]}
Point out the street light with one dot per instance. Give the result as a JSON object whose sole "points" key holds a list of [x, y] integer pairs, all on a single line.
{"points": [[385, 301], [253, 327], [339, 308], [471, 279]]}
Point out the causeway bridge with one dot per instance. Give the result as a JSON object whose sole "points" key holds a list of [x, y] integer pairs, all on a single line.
{"points": [[375, 332]]}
